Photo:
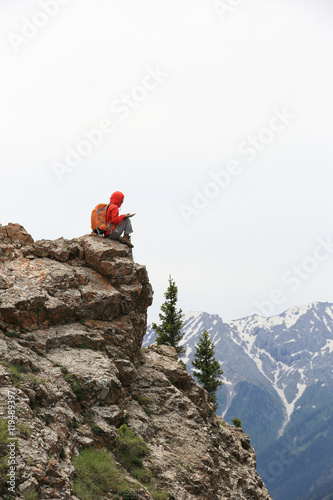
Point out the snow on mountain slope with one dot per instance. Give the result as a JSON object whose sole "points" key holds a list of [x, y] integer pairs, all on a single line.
{"points": [[284, 353], [288, 349]]}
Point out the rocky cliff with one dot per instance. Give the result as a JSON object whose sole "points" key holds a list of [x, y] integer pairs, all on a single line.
{"points": [[76, 383]]}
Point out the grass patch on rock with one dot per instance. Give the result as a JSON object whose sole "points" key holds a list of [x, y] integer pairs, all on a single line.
{"points": [[74, 383], [92, 424], [96, 475], [31, 495], [14, 371], [24, 430], [12, 335], [130, 449], [143, 402]]}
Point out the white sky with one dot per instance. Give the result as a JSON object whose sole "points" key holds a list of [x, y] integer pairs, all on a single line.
{"points": [[223, 75]]}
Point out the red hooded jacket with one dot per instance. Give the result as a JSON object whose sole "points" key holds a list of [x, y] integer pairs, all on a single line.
{"points": [[112, 214]]}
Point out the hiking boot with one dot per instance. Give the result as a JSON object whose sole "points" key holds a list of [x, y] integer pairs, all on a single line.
{"points": [[127, 240]]}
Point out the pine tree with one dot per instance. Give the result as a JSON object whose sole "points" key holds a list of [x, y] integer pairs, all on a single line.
{"points": [[208, 367], [169, 330]]}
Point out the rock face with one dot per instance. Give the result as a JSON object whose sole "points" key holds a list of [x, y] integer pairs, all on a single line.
{"points": [[72, 319]]}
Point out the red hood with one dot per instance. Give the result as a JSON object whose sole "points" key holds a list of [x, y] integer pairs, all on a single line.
{"points": [[116, 198]]}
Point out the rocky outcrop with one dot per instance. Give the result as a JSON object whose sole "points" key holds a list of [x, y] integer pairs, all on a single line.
{"points": [[72, 320]]}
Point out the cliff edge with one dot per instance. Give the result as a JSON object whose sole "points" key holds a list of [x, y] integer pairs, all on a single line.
{"points": [[74, 378]]}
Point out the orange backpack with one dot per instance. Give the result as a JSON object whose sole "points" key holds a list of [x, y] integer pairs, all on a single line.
{"points": [[98, 219]]}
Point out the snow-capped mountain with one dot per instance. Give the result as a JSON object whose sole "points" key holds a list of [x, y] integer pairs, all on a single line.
{"points": [[278, 379]]}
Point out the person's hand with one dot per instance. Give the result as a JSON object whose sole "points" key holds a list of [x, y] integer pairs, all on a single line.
{"points": [[126, 215]]}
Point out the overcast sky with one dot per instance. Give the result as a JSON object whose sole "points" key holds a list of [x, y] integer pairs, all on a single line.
{"points": [[213, 117]]}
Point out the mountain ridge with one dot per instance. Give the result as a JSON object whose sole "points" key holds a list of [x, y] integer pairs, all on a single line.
{"points": [[273, 368]]}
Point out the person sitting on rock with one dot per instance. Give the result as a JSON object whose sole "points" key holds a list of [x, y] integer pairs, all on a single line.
{"points": [[119, 223]]}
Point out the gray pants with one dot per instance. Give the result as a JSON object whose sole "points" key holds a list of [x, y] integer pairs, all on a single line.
{"points": [[124, 227]]}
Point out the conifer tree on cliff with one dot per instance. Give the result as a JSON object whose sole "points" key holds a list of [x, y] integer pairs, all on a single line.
{"points": [[208, 367], [169, 329]]}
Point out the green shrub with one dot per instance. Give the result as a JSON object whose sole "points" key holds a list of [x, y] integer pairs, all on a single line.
{"points": [[237, 422], [137, 461], [74, 383], [129, 448], [21, 369], [129, 495], [12, 335], [97, 475], [143, 402], [129, 451], [77, 388], [142, 475], [92, 424], [64, 370], [141, 399]]}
